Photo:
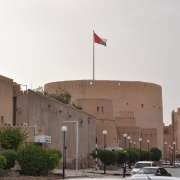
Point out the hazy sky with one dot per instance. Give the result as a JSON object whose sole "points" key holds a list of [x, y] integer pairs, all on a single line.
{"points": [[44, 41]]}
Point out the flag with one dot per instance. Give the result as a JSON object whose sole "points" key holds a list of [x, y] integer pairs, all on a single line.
{"points": [[99, 40]]}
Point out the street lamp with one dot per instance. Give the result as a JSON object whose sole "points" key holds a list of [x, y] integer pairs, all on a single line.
{"points": [[104, 133], [148, 141], [174, 143], [140, 139], [64, 129], [134, 144], [129, 138], [176, 156], [77, 142], [172, 155], [165, 152], [125, 136], [129, 154]]}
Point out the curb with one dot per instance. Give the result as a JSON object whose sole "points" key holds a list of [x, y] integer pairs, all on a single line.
{"points": [[111, 174]]}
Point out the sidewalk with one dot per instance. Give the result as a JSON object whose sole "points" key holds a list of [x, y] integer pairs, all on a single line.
{"points": [[69, 173]]}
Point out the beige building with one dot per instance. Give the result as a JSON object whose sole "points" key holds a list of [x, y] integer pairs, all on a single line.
{"points": [[6, 99], [44, 117], [135, 104]]}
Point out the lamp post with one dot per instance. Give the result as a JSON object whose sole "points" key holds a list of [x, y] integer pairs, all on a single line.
{"points": [[140, 139], [165, 151], [169, 152], [65, 156], [125, 136], [134, 144], [172, 154], [148, 141], [174, 143], [64, 129], [77, 142], [129, 138], [104, 133], [176, 156], [129, 156]]}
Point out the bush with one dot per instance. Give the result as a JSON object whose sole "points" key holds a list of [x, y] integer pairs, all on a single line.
{"points": [[10, 156], [156, 154], [108, 157], [3, 162], [145, 155], [123, 157], [12, 137], [35, 160], [133, 155], [56, 151], [93, 153]]}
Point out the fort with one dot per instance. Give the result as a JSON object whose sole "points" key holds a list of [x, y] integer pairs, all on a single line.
{"points": [[119, 107], [133, 104]]}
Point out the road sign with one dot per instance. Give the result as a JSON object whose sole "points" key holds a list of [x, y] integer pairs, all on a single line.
{"points": [[119, 141]]}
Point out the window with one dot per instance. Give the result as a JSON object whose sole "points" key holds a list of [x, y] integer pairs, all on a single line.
{"points": [[142, 105], [102, 109], [97, 109], [2, 119]]}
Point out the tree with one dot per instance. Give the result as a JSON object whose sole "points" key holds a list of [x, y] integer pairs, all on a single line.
{"points": [[12, 137], [108, 157], [123, 157], [156, 154], [60, 95]]}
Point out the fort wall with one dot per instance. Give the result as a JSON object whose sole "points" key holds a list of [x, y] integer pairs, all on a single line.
{"points": [[142, 98], [135, 133], [33, 108], [102, 109], [6, 99]]}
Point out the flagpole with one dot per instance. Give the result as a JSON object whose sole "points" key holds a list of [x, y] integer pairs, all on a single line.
{"points": [[93, 54]]}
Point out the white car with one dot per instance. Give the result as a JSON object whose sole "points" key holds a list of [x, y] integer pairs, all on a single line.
{"points": [[153, 178], [141, 164]]}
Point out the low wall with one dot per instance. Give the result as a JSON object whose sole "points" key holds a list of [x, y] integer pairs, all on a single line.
{"points": [[108, 167]]}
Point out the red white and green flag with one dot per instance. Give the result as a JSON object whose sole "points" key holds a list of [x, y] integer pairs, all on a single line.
{"points": [[99, 40]]}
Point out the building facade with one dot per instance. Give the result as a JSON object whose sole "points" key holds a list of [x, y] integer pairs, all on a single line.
{"points": [[143, 100]]}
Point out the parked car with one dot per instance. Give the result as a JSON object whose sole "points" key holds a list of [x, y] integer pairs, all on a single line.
{"points": [[141, 164], [152, 171], [152, 178]]}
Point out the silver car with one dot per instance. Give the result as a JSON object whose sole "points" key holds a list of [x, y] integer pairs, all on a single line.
{"points": [[141, 164]]}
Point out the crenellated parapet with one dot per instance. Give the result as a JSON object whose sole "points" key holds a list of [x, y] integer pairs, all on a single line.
{"points": [[147, 131]]}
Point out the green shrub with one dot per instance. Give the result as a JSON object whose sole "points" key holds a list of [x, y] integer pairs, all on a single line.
{"points": [[156, 154], [36, 160], [12, 137], [133, 155], [123, 157], [93, 153], [108, 157], [10, 156], [3, 162], [145, 155], [56, 151]]}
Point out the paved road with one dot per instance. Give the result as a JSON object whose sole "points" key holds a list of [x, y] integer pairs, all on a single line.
{"points": [[71, 174], [174, 171]]}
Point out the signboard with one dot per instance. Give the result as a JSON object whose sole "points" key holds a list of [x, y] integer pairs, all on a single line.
{"points": [[42, 139], [119, 141]]}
